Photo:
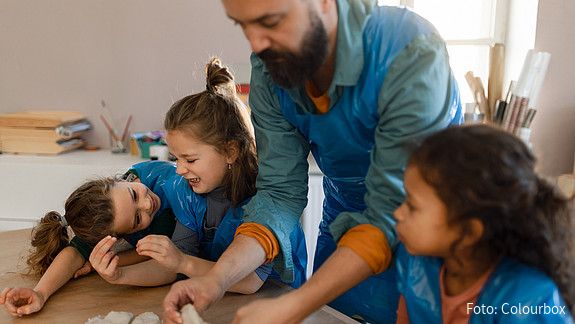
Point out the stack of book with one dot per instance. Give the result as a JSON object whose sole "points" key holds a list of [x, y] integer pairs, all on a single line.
{"points": [[42, 132]]}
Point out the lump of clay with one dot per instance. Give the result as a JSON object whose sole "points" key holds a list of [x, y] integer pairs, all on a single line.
{"points": [[147, 318], [190, 316], [112, 318], [119, 317]]}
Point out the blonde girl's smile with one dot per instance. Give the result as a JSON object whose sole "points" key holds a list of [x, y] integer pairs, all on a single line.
{"points": [[201, 164]]}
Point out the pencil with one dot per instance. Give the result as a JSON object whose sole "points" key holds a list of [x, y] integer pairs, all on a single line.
{"points": [[110, 129], [126, 128]]}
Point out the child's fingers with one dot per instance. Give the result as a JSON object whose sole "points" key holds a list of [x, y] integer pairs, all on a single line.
{"points": [[104, 245], [107, 258], [28, 309], [9, 304], [153, 239], [101, 250], [154, 255], [150, 246], [84, 270], [111, 268], [3, 294]]}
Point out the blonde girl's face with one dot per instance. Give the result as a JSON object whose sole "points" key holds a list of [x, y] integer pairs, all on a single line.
{"points": [[199, 163], [135, 206], [422, 224]]}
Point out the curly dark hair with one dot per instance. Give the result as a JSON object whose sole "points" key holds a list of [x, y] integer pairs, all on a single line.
{"points": [[485, 173]]}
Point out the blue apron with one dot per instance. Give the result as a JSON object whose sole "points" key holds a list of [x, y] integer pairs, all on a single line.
{"points": [[190, 210], [343, 152], [509, 289]]}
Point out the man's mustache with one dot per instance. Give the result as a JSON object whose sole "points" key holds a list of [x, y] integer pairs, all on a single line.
{"points": [[268, 55]]}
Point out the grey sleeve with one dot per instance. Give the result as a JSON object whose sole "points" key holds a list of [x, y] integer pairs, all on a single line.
{"points": [[186, 240]]}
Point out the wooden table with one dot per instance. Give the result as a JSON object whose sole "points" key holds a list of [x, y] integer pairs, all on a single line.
{"points": [[90, 296]]}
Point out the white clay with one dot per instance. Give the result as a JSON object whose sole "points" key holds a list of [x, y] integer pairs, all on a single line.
{"points": [[147, 318], [119, 317], [190, 316]]}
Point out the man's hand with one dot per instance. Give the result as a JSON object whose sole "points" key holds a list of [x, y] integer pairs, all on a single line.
{"points": [[105, 261], [275, 310], [21, 301], [201, 291], [161, 249]]}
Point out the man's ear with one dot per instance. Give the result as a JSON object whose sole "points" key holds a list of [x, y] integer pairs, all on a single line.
{"points": [[232, 152]]}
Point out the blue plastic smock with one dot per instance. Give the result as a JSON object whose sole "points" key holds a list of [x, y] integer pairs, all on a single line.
{"points": [[509, 289], [190, 210]]}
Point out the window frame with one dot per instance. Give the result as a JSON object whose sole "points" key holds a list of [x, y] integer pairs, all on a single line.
{"points": [[498, 29]]}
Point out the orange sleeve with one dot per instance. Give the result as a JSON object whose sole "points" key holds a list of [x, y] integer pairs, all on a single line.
{"points": [[370, 244], [263, 235]]}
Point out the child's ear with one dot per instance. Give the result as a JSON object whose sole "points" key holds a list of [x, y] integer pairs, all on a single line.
{"points": [[232, 152], [475, 233]]}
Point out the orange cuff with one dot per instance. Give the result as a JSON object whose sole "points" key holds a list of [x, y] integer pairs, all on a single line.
{"points": [[370, 244], [263, 235]]}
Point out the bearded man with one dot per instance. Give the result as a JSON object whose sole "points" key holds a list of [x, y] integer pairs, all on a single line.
{"points": [[353, 83]]}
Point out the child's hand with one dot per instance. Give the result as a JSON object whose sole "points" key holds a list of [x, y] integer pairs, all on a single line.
{"points": [[84, 270], [21, 301], [105, 261], [161, 249]]}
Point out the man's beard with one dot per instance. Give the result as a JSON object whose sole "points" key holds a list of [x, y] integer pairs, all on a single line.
{"points": [[290, 70]]}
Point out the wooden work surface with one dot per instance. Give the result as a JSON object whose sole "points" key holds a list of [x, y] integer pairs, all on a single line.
{"points": [[90, 296]]}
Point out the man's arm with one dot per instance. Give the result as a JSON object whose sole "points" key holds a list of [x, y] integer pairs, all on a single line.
{"points": [[235, 269], [342, 270], [282, 169], [415, 101]]}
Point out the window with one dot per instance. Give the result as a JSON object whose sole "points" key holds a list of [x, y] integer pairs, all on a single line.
{"points": [[470, 27]]}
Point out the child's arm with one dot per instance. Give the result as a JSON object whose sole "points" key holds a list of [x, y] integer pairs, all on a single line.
{"points": [[162, 249], [60, 271], [130, 257], [107, 264], [167, 261]]}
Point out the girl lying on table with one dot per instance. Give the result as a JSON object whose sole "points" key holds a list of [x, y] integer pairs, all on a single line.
{"points": [[214, 176]]}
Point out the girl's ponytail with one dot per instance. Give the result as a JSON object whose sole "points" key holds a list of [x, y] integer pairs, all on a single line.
{"points": [[49, 237], [89, 213]]}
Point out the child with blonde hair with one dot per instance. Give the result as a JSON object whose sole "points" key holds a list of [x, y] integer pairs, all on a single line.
{"points": [[211, 137], [209, 134]]}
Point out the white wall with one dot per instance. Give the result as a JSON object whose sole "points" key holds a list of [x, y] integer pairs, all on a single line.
{"points": [[137, 55], [141, 55], [554, 125]]}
